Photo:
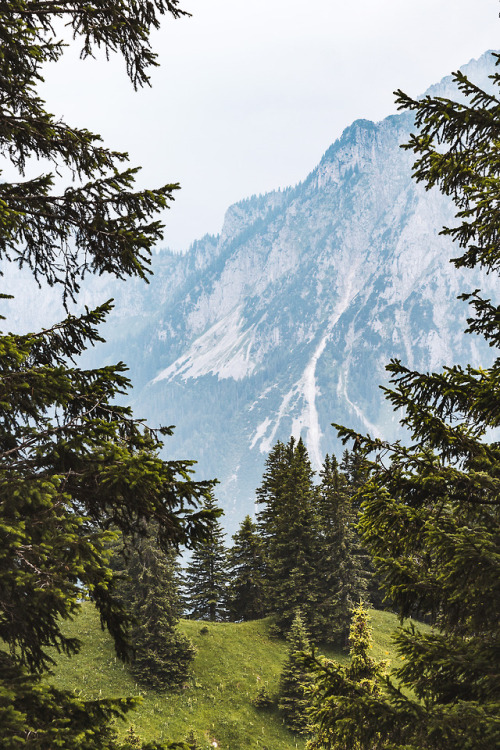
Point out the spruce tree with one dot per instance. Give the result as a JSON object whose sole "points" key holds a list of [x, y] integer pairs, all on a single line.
{"points": [[431, 513], [268, 494], [356, 469], [245, 593], [149, 591], [288, 525], [295, 679], [342, 564], [206, 574], [74, 462], [335, 688], [97, 223]]}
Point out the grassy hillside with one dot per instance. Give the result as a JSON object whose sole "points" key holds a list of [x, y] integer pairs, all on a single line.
{"points": [[232, 663]]}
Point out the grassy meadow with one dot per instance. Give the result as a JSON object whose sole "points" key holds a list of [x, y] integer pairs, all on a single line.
{"points": [[233, 661]]}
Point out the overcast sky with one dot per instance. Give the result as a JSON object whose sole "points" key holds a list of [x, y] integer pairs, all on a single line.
{"points": [[250, 94]]}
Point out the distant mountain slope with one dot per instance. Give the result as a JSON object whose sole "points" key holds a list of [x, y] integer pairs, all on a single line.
{"points": [[285, 321]]}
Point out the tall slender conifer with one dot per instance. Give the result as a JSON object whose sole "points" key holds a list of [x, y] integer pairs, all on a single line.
{"points": [[205, 579], [245, 593], [73, 460], [342, 564], [288, 524], [295, 679]]}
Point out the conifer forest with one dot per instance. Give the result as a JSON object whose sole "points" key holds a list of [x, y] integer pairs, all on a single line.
{"points": [[357, 604]]}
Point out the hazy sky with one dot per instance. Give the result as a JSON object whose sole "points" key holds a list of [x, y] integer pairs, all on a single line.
{"points": [[250, 95]]}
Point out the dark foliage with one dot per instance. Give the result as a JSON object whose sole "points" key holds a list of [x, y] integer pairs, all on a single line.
{"points": [[342, 565], [313, 560], [288, 525], [206, 574], [149, 590], [74, 463], [245, 560]]}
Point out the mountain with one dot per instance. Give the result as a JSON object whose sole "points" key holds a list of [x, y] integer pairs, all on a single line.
{"points": [[284, 322]]}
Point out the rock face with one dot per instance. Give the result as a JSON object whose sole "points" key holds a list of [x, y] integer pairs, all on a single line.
{"points": [[285, 321]]}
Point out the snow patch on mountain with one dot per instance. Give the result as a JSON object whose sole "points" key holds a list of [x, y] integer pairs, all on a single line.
{"points": [[302, 396], [309, 417], [224, 350], [260, 432], [371, 428], [267, 442]]}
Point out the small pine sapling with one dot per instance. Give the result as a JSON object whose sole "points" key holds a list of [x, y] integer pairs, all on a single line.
{"points": [[336, 688], [295, 680]]}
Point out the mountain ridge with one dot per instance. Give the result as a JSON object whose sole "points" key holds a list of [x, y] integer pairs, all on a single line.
{"points": [[283, 323]]}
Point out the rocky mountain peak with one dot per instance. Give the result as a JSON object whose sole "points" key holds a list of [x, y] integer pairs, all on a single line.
{"points": [[283, 323]]}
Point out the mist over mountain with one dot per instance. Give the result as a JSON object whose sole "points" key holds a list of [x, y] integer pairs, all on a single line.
{"points": [[285, 321]]}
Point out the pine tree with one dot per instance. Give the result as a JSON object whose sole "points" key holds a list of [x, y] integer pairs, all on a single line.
{"points": [[335, 688], [268, 494], [149, 591], [431, 514], [98, 223], [295, 679], [342, 565], [245, 593], [206, 574], [288, 526], [74, 462], [356, 469]]}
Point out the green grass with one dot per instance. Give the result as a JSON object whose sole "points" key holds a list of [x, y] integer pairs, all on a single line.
{"points": [[233, 662]]}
